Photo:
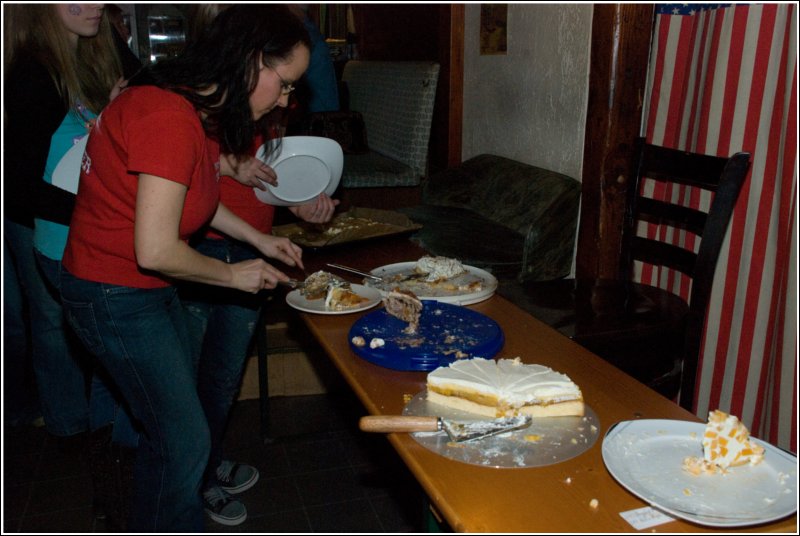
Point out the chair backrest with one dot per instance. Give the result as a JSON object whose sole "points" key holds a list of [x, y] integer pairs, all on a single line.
{"points": [[396, 99], [722, 176]]}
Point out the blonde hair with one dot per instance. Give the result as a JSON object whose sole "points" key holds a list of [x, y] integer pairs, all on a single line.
{"points": [[83, 76]]}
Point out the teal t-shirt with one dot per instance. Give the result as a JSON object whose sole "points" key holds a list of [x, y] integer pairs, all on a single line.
{"points": [[50, 238]]}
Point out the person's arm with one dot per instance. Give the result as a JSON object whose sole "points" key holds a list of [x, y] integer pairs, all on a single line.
{"points": [[34, 110], [158, 247], [250, 172], [275, 247], [320, 210]]}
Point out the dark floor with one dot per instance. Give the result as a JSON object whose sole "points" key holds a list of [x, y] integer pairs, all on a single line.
{"points": [[319, 475]]}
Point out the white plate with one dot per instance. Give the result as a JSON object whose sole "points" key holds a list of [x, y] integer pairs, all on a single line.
{"points": [[427, 292], [645, 457], [68, 170], [306, 167], [299, 302]]}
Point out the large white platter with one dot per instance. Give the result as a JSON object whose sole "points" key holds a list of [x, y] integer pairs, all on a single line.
{"points": [[298, 301], [428, 292], [547, 441], [645, 457], [67, 172], [306, 167]]}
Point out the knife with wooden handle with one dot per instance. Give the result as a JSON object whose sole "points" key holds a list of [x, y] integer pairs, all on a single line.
{"points": [[400, 423], [456, 430]]}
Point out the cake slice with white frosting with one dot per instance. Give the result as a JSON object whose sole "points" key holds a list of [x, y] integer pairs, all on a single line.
{"points": [[505, 387]]}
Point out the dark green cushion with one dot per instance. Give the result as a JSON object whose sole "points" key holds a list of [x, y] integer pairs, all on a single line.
{"points": [[505, 190]]}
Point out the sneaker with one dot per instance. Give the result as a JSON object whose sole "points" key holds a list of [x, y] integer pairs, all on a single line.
{"points": [[223, 508], [236, 477]]}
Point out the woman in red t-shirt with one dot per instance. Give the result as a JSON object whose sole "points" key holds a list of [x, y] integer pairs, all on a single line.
{"points": [[221, 323], [149, 181]]}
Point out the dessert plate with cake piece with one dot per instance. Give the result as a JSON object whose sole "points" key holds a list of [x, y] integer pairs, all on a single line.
{"points": [[711, 474], [335, 300], [437, 278]]}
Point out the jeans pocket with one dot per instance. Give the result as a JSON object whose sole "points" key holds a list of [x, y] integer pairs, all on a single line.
{"points": [[81, 318]]}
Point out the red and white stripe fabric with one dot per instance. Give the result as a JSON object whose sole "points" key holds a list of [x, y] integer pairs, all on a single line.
{"points": [[720, 81]]}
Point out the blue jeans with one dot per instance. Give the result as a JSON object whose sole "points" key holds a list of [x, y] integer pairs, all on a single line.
{"points": [[221, 324], [21, 403], [62, 368], [139, 336]]}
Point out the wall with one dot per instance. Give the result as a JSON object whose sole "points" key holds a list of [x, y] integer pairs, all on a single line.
{"points": [[530, 105]]}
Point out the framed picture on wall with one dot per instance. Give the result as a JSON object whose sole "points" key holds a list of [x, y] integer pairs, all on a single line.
{"points": [[494, 29]]}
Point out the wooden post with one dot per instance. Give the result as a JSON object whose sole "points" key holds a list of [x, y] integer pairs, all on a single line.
{"points": [[619, 57]]}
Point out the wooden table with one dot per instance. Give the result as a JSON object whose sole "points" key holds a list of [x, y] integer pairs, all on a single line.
{"points": [[471, 498]]}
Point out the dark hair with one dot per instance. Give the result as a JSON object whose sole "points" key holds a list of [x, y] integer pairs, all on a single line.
{"points": [[227, 58]]}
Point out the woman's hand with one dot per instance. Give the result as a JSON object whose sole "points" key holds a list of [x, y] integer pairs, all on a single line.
{"points": [[281, 249], [254, 275], [250, 172], [318, 211]]}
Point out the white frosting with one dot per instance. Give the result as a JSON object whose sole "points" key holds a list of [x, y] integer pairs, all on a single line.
{"points": [[726, 442], [439, 268], [511, 381]]}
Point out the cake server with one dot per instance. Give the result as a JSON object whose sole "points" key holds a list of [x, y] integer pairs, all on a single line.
{"points": [[353, 270], [408, 277], [458, 431]]}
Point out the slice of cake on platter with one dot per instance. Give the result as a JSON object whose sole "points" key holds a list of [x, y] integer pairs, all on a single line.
{"points": [[726, 443], [439, 268], [341, 297], [504, 388], [317, 285], [405, 305]]}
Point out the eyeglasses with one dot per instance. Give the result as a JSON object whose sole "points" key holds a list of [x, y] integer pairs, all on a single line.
{"points": [[286, 87]]}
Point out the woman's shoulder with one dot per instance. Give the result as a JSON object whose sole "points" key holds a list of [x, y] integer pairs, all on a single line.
{"points": [[151, 101], [154, 110], [155, 97]]}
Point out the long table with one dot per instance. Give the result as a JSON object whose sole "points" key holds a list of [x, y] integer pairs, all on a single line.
{"points": [[576, 495]]}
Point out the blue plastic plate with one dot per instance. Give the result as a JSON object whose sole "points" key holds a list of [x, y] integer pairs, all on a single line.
{"points": [[446, 332]]}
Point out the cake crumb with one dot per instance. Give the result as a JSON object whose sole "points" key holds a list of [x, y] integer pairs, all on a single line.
{"points": [[358, 341], [593, 504], [376, 343], [568, 480], [533, 437], [687, 492], [573, 441]]}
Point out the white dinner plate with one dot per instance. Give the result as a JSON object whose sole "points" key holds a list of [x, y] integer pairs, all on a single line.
{"points": [[427, 292], [645, 456], [298, 301], [306, 167], [68, 170]]}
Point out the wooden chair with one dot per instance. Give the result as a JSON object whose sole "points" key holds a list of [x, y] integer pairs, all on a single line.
{"points": [[648, 332]]}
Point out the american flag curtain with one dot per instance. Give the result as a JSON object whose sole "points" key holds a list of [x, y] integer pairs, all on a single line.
{"points": [[722, 79]]}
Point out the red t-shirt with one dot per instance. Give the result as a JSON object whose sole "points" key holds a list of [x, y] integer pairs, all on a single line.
{"points": [[242, 201], [144, 130]]}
